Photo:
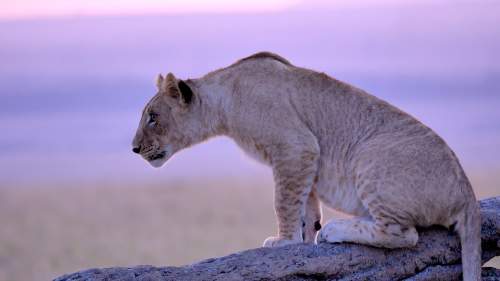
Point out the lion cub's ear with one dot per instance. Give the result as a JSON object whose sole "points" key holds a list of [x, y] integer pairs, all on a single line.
{"points": [[159, 81], [176, 89]]}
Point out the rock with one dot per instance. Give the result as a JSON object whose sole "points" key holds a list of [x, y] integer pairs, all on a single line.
{"points": [[436, 257]]}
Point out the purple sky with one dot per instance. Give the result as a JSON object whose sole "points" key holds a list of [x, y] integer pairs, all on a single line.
{"points": [[72, 88]]}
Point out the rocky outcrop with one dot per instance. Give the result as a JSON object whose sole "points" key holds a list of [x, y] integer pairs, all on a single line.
{"points": [[436, 257]]}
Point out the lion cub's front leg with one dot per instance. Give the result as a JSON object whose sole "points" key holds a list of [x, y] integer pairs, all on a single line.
{"points": [[294, 174]]}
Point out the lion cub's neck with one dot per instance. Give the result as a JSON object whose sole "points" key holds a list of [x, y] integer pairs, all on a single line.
{"points": [[214, 104], [236, 103]]}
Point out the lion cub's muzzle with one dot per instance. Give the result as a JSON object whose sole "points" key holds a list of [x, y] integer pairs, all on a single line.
{"points": [[155, 157]]}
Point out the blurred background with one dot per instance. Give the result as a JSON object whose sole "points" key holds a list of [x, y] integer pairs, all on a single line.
{"points": [[75, 75]]}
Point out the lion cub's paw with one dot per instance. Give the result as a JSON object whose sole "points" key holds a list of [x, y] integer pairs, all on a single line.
{"points": [[333, 232], [278, 241]]}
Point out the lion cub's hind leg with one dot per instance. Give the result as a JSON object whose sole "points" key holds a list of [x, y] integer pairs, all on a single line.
{"points": [[369, 232], [381, 228], [312, 219]]}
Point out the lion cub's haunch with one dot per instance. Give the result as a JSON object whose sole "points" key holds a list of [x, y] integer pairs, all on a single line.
{"points": [[326, 141]]}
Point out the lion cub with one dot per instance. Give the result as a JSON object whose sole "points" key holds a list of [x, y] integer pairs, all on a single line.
{"points": [[326, 141]]}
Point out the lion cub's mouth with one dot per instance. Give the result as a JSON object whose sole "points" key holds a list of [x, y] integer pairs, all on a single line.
{"points": [[157, 156]]}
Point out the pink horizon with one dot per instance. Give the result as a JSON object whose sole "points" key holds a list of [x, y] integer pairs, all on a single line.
{"points": [[29, 9]]}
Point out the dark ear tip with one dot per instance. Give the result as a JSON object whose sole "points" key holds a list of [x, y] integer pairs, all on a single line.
{"points": [[186, 92], [317, 225]]}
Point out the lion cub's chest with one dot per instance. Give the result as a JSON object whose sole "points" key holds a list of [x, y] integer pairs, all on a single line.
{"points": [[254, 150]]}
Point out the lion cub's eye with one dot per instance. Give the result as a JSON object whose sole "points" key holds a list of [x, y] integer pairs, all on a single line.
{"points": [[152, 118]]}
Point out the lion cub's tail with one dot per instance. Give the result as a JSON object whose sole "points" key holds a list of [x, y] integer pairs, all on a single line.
{"points": [[469, 230]]}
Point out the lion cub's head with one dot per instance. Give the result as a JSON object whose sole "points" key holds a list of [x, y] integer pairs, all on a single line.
{"points": [[170, 121]]}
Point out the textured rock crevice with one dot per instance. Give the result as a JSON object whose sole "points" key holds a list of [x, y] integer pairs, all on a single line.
{"points": [[436, 257]]}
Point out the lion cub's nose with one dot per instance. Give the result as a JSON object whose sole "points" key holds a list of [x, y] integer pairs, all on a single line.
{"points": [[136, 149]]}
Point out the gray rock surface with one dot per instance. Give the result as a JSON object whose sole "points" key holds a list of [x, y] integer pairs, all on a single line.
{"points": [[436, 257]]}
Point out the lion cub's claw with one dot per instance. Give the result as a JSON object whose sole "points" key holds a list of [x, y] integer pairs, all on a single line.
{"points": [[278, 241]]}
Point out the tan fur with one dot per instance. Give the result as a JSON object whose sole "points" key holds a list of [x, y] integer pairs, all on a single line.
{"points": [[325, 141]]}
